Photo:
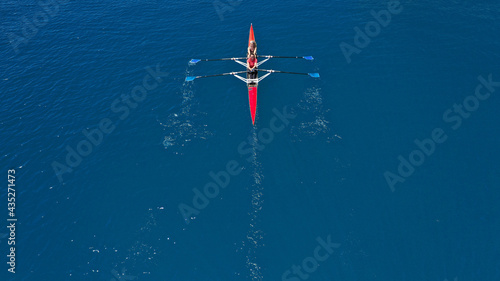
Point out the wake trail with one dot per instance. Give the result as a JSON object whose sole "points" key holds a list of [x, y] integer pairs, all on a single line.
{"points": [[255, 234]]}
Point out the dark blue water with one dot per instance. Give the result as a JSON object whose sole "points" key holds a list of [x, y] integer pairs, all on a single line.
{"points": [[319, 177]]}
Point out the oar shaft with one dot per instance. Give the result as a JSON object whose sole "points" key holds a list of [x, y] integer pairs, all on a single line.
{"points": [[222, 74], [277, 71], [284, 57], [191, 78], [314, 75], [223, 59], [194, 61], [280, 57]]}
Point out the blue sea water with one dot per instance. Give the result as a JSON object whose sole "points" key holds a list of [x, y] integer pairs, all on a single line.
{"points": [[320, 177]]}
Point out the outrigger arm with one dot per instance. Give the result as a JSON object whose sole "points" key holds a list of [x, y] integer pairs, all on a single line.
{"points": [[246, 65], [240, 62], [252, 80]]}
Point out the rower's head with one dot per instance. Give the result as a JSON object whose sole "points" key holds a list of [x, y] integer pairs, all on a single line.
{"points": [[252, 57], [253, 44]]}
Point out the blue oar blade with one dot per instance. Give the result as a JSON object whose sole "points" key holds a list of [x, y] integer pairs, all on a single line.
{"points": [[194, 61], [309, 58], [190, 78], [314, 75]]}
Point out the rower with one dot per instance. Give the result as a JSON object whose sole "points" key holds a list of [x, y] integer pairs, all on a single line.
{"points": [[252, 66], [252, 49]]}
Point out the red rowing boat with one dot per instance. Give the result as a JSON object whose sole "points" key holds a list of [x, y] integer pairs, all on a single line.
{"points": [[252, 82], [252, 87]]}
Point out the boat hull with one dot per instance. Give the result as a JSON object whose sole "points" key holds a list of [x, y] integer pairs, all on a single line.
{"points": [[252, 99], [252, 87]]}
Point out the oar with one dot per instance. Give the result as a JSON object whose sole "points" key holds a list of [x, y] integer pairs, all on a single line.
{"points": [[191, 78], [195, 61], [280, 57], [314, 75]]}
